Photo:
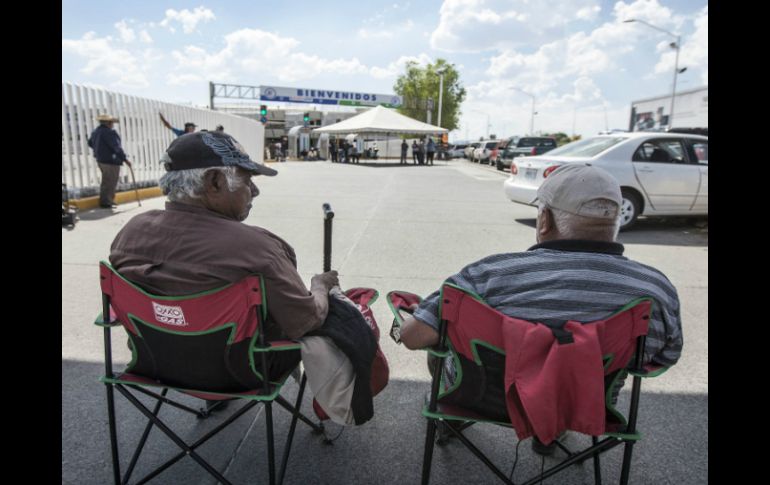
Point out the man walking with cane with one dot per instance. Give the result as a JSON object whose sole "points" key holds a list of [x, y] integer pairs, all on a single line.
{"points": [[105, 142]]}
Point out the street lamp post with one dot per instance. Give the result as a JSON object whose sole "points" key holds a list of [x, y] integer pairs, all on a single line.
{"points": [[676, 45], [440, 93], [532, 118]]}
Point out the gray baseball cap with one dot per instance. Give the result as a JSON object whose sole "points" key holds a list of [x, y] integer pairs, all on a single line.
{"points": [[572, 186]]}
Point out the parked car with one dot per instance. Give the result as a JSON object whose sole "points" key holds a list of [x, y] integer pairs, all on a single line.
{"points": [[469, 149], [524, 146], [482, 152], [660, 174], [457, 150]]}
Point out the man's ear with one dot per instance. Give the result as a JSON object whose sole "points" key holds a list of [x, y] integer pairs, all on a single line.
{"points": [[214, 181], [546, 222]]}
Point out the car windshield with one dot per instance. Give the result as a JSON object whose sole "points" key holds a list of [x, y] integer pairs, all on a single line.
{"points": [[587, 148], [492, 144]]}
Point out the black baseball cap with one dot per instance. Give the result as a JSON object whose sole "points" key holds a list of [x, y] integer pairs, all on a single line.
{"points": [[210, 149]]}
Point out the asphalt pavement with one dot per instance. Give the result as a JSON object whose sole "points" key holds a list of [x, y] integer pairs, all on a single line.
{"points": [[395, 227]]}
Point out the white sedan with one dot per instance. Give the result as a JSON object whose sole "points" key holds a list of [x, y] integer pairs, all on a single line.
{"points": [[660, 174]]}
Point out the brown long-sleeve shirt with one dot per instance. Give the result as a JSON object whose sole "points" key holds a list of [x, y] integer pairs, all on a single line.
{"points": [[187, 249]]}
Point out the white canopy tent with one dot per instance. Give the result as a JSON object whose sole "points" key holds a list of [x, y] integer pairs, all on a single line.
{"points": [[381, 120]]}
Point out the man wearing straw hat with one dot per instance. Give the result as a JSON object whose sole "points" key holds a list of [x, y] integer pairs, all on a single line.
{"points": [[110, 156]]}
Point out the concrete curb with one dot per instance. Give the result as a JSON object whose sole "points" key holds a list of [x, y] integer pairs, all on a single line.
{"points": [[120, 198]]}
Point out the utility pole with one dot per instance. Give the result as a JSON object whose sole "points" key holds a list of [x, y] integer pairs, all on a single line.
{"points": [[440, 94]]}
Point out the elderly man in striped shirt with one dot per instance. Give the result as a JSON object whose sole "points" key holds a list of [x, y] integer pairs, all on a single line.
{"points": [[576, 271]]}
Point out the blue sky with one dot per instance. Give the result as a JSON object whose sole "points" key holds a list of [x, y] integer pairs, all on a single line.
{"points": [[578, 59]]}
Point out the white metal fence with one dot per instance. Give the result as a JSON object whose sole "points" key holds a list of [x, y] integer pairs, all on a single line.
{"points": [[143, 136]]}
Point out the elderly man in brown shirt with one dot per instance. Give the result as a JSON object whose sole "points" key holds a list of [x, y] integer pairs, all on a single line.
{"points": [[199, 242]]}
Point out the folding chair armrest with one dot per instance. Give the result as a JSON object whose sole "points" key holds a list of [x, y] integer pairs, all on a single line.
{"points": [[437, 353], [101, 323], [396, 309], [649, 370], [278, 345]]}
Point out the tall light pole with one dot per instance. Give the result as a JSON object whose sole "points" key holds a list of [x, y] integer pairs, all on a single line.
{"points": [[440, 73], [675, 45], [532, 118]]}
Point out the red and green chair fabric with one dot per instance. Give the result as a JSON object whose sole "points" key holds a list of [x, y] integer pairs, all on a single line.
{"points": [[536, 379], [209, 345]]}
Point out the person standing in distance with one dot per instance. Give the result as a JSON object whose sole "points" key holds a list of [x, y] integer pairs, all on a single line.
{"points": [[189, 127], [105, 142]]}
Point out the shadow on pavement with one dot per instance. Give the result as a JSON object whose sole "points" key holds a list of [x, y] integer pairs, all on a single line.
{"points": [[99, 214], [386, 450]]}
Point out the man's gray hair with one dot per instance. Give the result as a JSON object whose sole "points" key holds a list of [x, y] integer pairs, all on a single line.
{"points": [[573, 226], [181, 185]]}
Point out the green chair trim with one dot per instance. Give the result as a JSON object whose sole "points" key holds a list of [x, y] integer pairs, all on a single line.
{"points": [[260, 397]]}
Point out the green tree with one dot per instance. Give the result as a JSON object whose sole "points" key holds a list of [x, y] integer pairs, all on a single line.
{"points": [[420, 83]]}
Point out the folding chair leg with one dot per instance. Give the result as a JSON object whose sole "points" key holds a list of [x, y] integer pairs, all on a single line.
{"points": [[143, 439], [270, 448], [292, 427], [113, 434], [317, 428], [597, 464], [626, 463], [473, 449], [173, 436], [430, 438]]}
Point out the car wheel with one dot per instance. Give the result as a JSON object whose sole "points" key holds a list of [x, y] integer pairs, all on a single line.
{"points": [[629, 209]]}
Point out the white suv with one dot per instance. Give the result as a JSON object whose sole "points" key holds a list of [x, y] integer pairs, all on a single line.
{"points": [[481, 154]]}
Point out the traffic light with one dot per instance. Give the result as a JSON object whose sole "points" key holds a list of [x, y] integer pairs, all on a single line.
{"points": [[263, 113], [306, 118]]}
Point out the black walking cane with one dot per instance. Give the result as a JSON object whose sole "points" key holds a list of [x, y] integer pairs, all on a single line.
{"points": [[328, 216]]}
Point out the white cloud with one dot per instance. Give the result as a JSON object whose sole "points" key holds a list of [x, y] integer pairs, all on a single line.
{"points": [[126, 33], [398, 66], [566, 74], [188, 19], [693, 53], [103, 59], [145, 37], [589, 13], [477, 25], [181, 80], [648, 10], [253, 51]]}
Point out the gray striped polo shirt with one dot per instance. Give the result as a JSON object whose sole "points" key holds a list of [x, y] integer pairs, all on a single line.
{"points": [[584, 281]]}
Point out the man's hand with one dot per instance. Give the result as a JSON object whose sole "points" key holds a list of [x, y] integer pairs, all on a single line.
{"points": [[163, 120], [325, 280]]}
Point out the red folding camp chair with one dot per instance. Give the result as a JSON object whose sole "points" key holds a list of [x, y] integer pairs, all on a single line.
{"points": [[517, 364], [209, 345]]}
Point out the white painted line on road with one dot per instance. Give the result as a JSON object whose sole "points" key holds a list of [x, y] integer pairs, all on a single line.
{"points": [[479, 173], [243, 440], [367, 219]]}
